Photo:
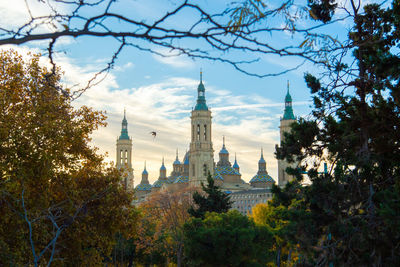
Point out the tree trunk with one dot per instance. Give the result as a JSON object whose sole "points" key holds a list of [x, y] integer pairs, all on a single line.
{"points": [[278, 257], [179, 257], [289, 257]]}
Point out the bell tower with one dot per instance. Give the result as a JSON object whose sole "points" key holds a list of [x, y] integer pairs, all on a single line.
{"points": [[201, 154], [124, 155], [285, 124]]}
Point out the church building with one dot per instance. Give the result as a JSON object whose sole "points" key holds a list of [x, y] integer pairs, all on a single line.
{"points": [[198, 161]]}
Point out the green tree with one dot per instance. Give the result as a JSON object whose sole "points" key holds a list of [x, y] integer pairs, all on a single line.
{"points": [[60, 203], [226, 239], [356, 205], [214, 200]]}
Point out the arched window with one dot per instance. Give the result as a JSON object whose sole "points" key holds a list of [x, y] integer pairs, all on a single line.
{"points": [[205, 132], [193, 170], [198, 132]]}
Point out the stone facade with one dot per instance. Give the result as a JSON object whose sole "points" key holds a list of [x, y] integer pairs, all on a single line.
{"points": [[245, 200]]}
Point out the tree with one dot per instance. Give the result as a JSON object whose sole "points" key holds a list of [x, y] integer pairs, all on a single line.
{"points": [[214, 200], [60, 203], [291, 223], [354, 126], [161, 227], [226, 239]]}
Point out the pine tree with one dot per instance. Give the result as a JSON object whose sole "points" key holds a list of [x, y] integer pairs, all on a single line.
{"points": [[214, 200], [356, 205]]}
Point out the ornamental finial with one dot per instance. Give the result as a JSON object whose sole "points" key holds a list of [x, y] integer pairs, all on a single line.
{"points": [[201, 75]]}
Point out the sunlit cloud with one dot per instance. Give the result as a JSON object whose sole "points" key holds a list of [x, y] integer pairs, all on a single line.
{"points": [[173, 59]]}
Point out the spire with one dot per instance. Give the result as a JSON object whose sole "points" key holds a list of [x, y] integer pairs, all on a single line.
{"points": [[262, 160], [201, 99], [124, 130], [162, 165], [235, 165], [223, 149], [144, 170], [288, 113], [176, 162]]}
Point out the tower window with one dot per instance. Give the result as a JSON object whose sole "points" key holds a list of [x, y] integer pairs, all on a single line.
{"points": [[126, 156], [205, 170], [193, 133], [205, 132], [193, 170], [198, 132]]}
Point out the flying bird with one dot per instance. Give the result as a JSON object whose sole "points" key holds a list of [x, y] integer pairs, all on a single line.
{"points": [[154, 134]]}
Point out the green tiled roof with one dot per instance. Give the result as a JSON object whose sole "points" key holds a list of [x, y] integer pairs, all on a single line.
{"points": [[262, 178], [225, 170], [143, 187]]}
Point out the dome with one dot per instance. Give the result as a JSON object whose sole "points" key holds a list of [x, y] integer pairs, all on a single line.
{"points": [[223, 151], [225, 170], [163, 166], [262, 178], [158, 183], [143, 187], [145, 172], [235, 165]]}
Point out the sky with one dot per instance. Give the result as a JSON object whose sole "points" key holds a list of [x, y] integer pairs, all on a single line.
{"points": [[158, 93]]}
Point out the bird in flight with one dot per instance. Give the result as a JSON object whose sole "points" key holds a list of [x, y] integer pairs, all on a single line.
{"points": [[154, 134]]}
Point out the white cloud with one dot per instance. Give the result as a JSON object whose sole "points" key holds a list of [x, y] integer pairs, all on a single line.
{"points": [[124, 67], [173, 59]]}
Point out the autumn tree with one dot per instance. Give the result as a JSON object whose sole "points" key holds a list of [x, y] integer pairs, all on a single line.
{"points": [[160, 232], [60, 203], [210, 199]]}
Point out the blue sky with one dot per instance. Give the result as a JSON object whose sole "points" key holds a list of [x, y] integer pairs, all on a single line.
{"points": [[158, 93]]}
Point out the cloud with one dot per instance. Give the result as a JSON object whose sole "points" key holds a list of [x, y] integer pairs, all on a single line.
{"points": [[165, 108], [173, 59], [249, 122], [124, 67]]}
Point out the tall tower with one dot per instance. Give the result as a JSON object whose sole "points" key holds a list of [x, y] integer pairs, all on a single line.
{"points": [[201, 154], [124, 155], [287, 119]]}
